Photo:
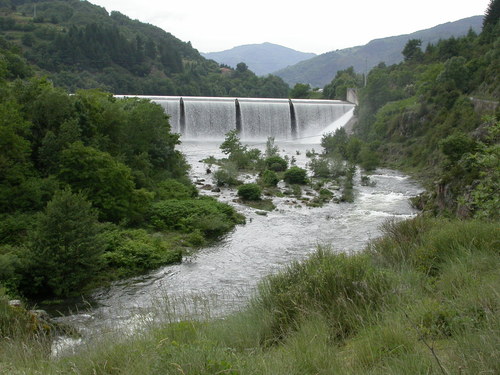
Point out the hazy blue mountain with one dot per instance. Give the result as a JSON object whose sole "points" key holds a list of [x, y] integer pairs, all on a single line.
{"points": [[321, 69], [262, 58]]}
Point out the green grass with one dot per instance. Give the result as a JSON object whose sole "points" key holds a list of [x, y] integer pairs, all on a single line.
{"points": [[423, 299]]}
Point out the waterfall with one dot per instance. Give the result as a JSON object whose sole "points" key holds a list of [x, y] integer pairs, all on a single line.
{"points": [[253, 118]]}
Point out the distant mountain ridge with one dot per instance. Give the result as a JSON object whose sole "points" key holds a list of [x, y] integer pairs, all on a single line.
{"points": [[262, 59], [320, 70]]}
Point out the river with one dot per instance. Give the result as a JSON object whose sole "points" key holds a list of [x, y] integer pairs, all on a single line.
{"points": [[220, 279]]}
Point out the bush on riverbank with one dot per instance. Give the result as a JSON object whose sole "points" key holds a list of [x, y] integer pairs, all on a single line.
{"points": [[375, 312], [205, 215], [249, 192], [295, 175]]}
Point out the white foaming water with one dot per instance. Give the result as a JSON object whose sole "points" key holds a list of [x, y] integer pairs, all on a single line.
{"points": [[211, 118], [315, 138], [221, 278]]}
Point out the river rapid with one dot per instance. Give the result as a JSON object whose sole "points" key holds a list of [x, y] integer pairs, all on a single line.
{"points": [[220, 279]]}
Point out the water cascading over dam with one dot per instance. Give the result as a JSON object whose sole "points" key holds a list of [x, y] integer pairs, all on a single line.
{"points": [[211, 118]]}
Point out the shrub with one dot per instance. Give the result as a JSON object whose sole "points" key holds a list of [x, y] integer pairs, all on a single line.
{"points": [[456, 145], [212, 218], [368, 159], [269, 178], [250, 192], [327, 167], [173, 189], [227, 175], [276, 163], [296, 175], [133, 251]]}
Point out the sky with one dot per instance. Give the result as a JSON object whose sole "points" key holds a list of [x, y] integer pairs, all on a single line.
{"points": [[317, 26]]}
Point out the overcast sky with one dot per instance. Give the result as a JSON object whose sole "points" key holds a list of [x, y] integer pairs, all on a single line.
{"points": [[317, 26]]}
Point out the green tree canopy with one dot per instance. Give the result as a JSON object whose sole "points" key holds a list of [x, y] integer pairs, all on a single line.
{"points": [[65, 246], [107, 182], [300, 91]]}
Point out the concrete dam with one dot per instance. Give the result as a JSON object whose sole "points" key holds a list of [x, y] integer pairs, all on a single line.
{"points": [[254, 118]]}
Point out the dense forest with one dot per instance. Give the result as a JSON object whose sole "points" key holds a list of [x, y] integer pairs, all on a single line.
{"points": [[92, 188], [78, 45]]}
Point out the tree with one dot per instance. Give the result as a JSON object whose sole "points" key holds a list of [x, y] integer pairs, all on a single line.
{"points": [[241, 67], [455, 74], [65, 246], [15, 164], [107, 182], [344, 79], [336, 143], [412, 50], [300, 91], [492, 14], [456, 145]]}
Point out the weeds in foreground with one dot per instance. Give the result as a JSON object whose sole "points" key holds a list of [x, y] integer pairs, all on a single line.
{"points": [[377, 312]]}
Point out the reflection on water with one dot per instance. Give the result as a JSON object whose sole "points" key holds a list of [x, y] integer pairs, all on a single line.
{"points": [[219, 279]]}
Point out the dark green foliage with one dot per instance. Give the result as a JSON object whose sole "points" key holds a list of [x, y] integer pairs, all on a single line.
{"points": [[300, 91], [90, 48], [276, 163], [492, 14], [80, 46], [249, 192], [111, 157], [456, 145], [269, 178], [107, 182], [368, 159], [65, 247], [173, 189], [335, 143], [412, 50], [206, 215], [295, 175], [348, 185], [15, 163], [134, 251], [344, 79]]}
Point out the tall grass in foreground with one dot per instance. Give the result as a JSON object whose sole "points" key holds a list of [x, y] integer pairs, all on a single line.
{"points": [[422, 299]]}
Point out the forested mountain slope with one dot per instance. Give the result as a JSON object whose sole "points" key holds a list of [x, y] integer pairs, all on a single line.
{"points": [[321, 69], [79, 45], [437, 114]]}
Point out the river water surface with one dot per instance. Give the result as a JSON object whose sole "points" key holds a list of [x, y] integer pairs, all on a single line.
{"points": [[220, 279]]}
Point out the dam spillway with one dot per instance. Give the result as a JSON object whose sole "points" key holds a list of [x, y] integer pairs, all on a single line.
{"points": [[253, 118]]}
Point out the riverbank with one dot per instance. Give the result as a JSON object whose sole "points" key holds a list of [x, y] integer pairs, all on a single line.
{"points": [[424, 298]]}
